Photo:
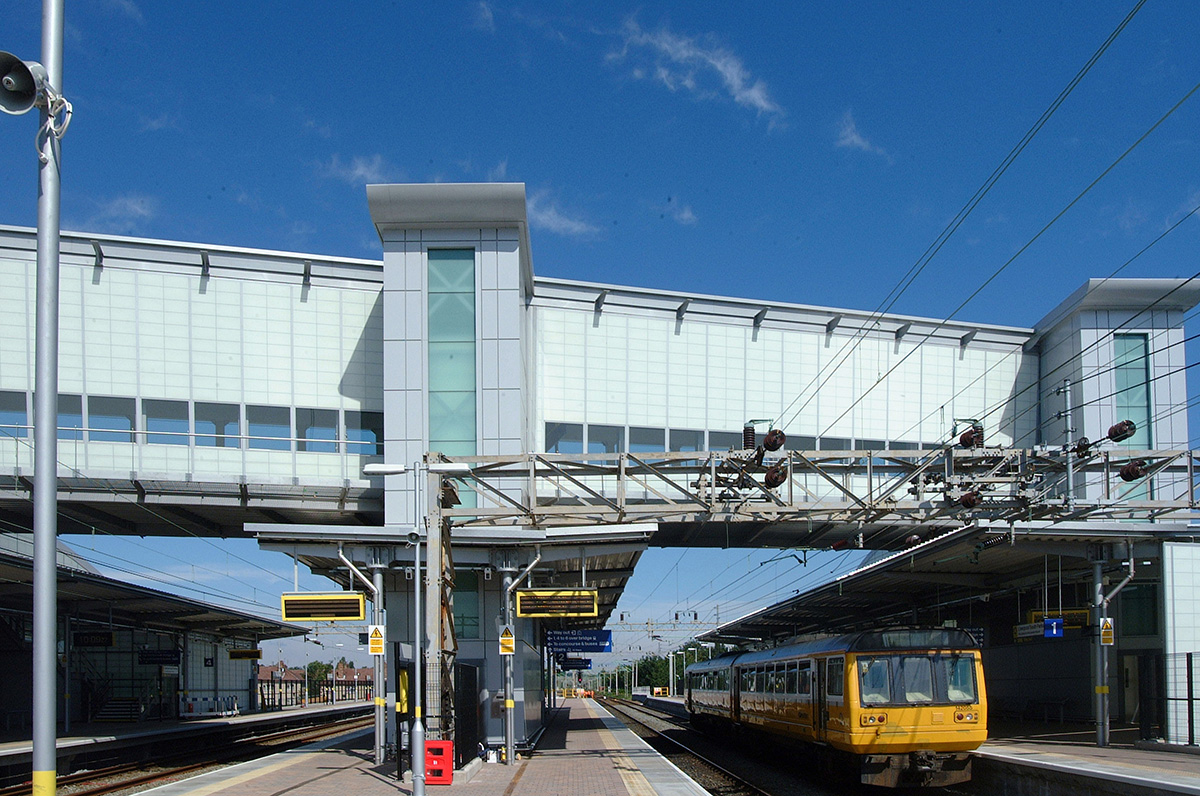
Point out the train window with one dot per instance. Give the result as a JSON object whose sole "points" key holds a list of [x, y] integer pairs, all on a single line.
{"points": [[780, 680], [960, 677], [804, 678], [835, 677], [790, 685], [874, 681], [914, 679], [760, 681], [747, 679]]}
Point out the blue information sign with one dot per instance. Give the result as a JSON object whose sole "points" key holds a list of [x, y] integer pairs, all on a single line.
{"points": [[579, 640], [1052, 628]]}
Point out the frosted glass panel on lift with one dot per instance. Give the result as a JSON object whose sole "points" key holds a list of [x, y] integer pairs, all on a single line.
{"points": [[452, 379], [1131, 379], [451, 418], [452, 366]]}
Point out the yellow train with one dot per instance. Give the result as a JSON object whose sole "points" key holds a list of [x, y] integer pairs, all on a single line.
{"points": [[903, 705]]}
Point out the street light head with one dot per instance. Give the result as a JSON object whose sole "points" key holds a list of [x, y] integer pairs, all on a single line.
{"points": [[379, 468], [449, 468], [21, 83]]}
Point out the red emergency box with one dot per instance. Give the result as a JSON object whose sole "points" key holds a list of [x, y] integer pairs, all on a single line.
{"points": [[439, 762]]}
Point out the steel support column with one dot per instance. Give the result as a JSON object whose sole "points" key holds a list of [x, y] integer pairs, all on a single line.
{"points": [[45, 423]]}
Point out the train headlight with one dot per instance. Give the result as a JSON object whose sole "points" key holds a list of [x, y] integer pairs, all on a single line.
{"points": [[967, 716], [871, 719]]}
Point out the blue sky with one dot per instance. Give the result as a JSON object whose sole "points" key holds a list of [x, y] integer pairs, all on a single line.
{"points": [[797, 152]]}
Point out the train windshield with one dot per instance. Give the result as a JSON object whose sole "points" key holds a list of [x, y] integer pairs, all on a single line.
{"points": [[916, 679]]}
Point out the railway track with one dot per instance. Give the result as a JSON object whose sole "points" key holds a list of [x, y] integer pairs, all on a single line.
{"points": [[658, 729], [126, 776]]}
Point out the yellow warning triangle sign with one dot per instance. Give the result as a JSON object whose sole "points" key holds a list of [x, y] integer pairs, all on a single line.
{"points": [[376, 633], [507, 634]]}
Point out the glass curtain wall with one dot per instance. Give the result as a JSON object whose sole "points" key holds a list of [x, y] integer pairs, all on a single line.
{"points": [[1131, 376], [452, 378]]}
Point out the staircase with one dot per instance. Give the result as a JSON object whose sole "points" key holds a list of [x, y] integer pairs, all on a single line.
{"points": [[120, 709]]}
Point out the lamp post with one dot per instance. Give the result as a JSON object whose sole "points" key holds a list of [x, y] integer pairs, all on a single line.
{"points": [[24, 85], [417, 736]]}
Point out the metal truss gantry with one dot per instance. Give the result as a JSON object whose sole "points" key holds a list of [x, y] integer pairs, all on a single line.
{"points": [[832, 498]]}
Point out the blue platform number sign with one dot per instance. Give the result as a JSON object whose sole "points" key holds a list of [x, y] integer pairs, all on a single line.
{"points": [[1052, 627]]}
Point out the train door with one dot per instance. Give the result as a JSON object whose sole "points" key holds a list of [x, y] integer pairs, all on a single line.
{"points": [[821, 717]]}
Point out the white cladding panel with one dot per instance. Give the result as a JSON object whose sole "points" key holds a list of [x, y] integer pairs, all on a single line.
{"points": [[623, 367]]}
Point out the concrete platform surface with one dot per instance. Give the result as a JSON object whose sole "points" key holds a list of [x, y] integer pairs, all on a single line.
{"points": [[583, 752]]}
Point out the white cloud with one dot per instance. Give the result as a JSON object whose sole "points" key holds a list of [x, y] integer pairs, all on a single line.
{"points": [[499, 172], [128, 8], [545, 215], [1131, 217], [360, 170], [850, 138], [689, 64], [163, 121], [317, 128], [121, 215], [484, 18], [1186, 208], [680, 213]]}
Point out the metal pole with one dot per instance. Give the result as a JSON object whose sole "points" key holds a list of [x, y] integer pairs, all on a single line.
{"points": [[1066, 391], [45, 422], [433, 606], [380, 685], [1191, 700], [417, 737], [510, 731], [1097, 663]]}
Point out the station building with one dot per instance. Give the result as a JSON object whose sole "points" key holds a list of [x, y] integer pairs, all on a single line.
{"points": [[127, 653], [238, 391]]}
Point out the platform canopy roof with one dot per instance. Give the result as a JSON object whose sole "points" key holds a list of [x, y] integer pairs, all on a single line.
{"points": [[600, 557], [89, 597], [973, 563]]}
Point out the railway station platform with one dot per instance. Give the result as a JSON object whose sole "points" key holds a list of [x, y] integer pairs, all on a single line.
{"points": [[583, 752], [100, 738]]}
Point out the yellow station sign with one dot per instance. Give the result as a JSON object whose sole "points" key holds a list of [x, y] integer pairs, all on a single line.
{"points": [[557, 602]]}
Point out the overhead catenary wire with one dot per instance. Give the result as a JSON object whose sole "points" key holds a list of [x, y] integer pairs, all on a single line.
{"points": [[952, 226], [1000, 405], [1004, 266], [179, 583]]}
